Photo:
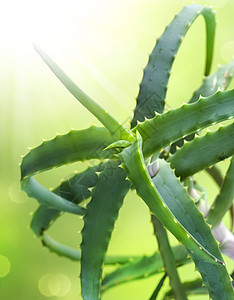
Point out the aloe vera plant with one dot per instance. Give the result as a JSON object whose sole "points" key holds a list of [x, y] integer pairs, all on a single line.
{"points": [[157, 156]]}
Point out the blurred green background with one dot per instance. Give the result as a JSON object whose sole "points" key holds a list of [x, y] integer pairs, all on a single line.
{"points": [[104, 46]]}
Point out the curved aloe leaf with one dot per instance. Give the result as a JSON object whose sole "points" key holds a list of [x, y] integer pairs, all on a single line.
{"points": [[46, 197], [102, 211], [165, 207], [43, 218], [153, 87], [166, 128], [143, 267], [216, 277], [220, 79], [203, 152], [75, 254], [74, 146], [225, 198], [75, 190], [77, 145], [114, 127]]}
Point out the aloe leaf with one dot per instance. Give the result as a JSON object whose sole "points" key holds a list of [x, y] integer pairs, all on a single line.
{"points": [[102, 211], [163, 206], [143, 267], [46, 197], [114, 127], [75, 254], [153, 87], [168, 127], [224, 199], [77, 145], [43, 218], [215, 277], [203, 152], [194, 287], [75, 190], [218, 80], [168, 259]]}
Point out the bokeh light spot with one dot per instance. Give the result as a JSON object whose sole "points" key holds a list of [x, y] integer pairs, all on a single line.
{"points": [[5, 266], [51, 285]]}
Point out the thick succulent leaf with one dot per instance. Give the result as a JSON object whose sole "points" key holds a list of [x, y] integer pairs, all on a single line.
{"points": [[166, 207], [43, 218], [218, 80], [153, 87], [195, 287], [74, 146], [102, 211], [114, 127], [166, 128], [203, 152], [143, 267], [75, 254], [48, 198], [77, 145], [224, 199], [75, 190], [216, 277]]}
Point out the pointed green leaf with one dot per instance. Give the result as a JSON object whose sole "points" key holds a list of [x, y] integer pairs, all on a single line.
{"points": [[48, 198], [102, 211], [153, 87], [114, 127], [167, 207], [163, 129], [215, 277], [203, 152], [75, 190], [224, 199], [77, 145]]}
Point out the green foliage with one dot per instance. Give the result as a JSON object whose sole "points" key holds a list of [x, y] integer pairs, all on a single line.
{"points": [[144, 158]]}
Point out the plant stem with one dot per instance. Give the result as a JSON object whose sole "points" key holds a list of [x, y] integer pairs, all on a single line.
{"points": [[168, 259]]}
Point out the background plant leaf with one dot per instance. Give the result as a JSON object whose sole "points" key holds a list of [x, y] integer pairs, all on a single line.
{"points": [[153, 88]]}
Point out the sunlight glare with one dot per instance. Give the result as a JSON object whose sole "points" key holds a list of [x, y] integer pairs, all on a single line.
{"points": [[26, 21]]}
